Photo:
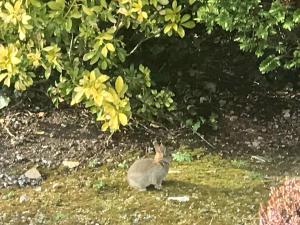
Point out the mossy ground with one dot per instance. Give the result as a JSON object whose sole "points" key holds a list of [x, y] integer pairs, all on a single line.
{"points": [[221, 191]]}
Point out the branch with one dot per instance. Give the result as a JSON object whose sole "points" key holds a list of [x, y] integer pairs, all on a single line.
{"points": [[142, 41]]}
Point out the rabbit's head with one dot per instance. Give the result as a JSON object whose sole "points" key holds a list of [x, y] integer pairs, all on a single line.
{"points": [[161, 153]]}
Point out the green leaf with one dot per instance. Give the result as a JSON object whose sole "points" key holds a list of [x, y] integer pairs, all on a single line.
{"points": [[163, 2], [168, 27], [57, 5], [190, 24], [68, 25], [185, 18], [111, 18], [103, 3], [269, 64], [288, 25], [78, 96], [88, 56], [174, 4], [119, 85], [87, 11], [47, 72], [103, 65], [191, 2], [35, 3], [180, 31], [75, 14], [95, 58], [296, 16]]}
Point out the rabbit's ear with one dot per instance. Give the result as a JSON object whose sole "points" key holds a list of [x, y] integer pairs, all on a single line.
{"points": [[158, 152], [163, 149], [157, 147]]}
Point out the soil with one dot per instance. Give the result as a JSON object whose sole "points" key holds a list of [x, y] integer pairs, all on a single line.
{"points": [[246, 127]]}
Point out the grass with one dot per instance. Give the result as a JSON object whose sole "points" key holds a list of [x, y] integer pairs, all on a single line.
{"points": [[221, 192]]}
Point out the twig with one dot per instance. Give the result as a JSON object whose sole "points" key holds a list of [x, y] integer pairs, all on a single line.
{"points": [[203, 139], [138, 45], [211, 220], [145, 127], [10, 134], [108, 139], [141, 42]]}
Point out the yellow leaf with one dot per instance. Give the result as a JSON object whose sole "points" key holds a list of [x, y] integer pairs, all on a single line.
{"points": [[115, 96], [107, 37], [123, 11], [123, 119], [104, 126], [78, 96], [9, 7], [108, 96], [2, 76], [114, 123], [104, 51], [15, 60], [110, 47], [103, 78], [87, 11], [48, 48], [175, 26], [7, 81], [145, 15], [93, 76], [98, 99], [94, 92], [119, 84]]}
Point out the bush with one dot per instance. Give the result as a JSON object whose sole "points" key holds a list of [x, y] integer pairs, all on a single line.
{"points": [[283, 207], [81, 47]]}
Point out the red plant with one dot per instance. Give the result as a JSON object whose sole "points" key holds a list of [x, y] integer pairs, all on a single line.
{"points": [[283, 207]]}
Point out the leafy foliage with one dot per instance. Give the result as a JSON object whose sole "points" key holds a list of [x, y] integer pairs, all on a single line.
{"points": [[182, 157], [81, 47], [268, 28]]}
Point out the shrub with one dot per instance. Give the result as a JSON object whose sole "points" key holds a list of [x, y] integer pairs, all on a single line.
{"points": [[267, 28], [283, 207], [81, 47]]}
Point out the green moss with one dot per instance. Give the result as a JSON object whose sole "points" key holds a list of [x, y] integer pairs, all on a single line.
{"points": [[220, 193]]}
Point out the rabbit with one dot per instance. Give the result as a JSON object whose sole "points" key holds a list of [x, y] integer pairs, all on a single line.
{"points": [[145, 172]]}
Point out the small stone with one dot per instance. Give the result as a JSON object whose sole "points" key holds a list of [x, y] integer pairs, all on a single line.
{"points": [[57, 185], [24, 198], [179, 198], [286, 113], [109, 160], [33, 173], [38, 189], [70, 164]]}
